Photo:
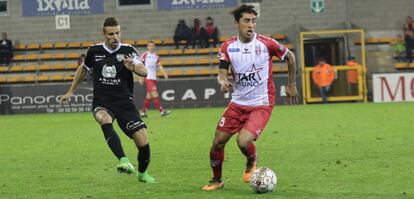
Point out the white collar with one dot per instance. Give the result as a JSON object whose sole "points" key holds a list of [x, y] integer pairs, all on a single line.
{"points": [[110, 50], [254, 38]]}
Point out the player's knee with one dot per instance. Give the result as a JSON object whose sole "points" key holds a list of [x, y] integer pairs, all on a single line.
{"points": [[218, 144], [243, 144], [102, 117]]}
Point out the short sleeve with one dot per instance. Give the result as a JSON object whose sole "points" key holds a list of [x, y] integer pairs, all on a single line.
{"points": [[135, 57], [88, 63], [223, 54], [277, 49]]}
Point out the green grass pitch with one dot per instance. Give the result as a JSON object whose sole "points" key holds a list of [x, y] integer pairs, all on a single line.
{"points": [[318, 151]]}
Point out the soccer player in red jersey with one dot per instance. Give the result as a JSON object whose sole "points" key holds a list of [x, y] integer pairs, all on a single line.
{"points": [[250, 56], [152, 63]]}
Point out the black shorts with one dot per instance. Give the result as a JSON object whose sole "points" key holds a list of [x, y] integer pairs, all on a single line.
{"points": [[124, 111]]}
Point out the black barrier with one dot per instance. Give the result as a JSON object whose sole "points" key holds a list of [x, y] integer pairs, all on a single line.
{"points": [[184, 93]]}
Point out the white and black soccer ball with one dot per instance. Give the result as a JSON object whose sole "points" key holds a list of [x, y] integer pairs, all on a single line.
{"points": [[263, 180]]}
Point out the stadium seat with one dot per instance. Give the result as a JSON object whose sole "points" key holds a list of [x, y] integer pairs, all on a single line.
{"points": [[68, 78], [72, 56], [57, 67], [86, 44], [404, 65], [203, 61], [141, 42], [164, 62], [32, 57], [16, 69], [46, 56], [175, 62], [72, 66], [20, 46], [163, 52], [3, 80], [29, 68], [215, 50], [168, 41], [129, 41], [74, 44], [190, 52], [57, 77], [33, 46], [59, 56], [176, 52], [61, 45], [18, 57], [14, 79], [189, 62], [4, 69], [42, 78], [29, 78], [43, 67], [47, 45], [203, 51], [157, 41]]}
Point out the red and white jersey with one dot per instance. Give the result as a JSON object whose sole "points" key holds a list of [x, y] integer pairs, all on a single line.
{"points": [[251, 64], [151, 60]]}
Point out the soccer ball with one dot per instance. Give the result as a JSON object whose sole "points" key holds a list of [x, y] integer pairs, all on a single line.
{"points": [[263, 180]]}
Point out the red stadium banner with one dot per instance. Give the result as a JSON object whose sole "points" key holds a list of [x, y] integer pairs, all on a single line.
{"points": [[395, 87], [180, 93]]}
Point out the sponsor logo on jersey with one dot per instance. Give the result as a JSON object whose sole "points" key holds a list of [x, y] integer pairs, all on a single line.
{"points": [[109, 71], [233, 50], [251, 78], [258, 50], [246, 50], [120, 57], [133, 125]]}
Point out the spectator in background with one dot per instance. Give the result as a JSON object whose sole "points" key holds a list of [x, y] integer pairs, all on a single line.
{"points": [[398, 48], [212, 32], [323, 76], [409, 38], [6, 50], [352, 76], [182, 33], [198, 33]]}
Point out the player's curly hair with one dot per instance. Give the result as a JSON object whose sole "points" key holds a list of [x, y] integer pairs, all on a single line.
{"points": [[237, 13]]}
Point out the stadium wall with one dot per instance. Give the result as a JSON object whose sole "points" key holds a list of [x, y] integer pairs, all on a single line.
{"points": [[277, 16]]}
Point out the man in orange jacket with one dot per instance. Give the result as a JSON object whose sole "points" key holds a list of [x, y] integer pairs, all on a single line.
{"points": [[323, 76], [352, 76]]}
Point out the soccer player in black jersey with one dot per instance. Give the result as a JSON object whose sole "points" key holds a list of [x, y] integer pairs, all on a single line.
{"points": [[113, 65]]}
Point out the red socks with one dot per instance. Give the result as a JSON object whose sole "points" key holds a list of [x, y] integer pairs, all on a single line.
{"points": [[146, 104], [157, 104], [216, 160]]}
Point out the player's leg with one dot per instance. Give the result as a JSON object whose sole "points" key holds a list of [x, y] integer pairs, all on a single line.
{"points": [[256, 122], [141, 141], [155, 98], [217, 159], [146, 105], [105, 119], [132, 125], [245, 141]]}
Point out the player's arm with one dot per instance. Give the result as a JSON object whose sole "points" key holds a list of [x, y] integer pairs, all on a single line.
{"points": [[79, 76], [135, 66], [163, 71], [225, 85], [291, 90]]}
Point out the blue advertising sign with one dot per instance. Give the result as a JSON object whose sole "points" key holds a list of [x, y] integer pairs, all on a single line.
{"points": [[195, 4], [39, 8]]}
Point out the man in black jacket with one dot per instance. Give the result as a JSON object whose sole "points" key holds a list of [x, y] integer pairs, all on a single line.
{"points": [[6, 50]]}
